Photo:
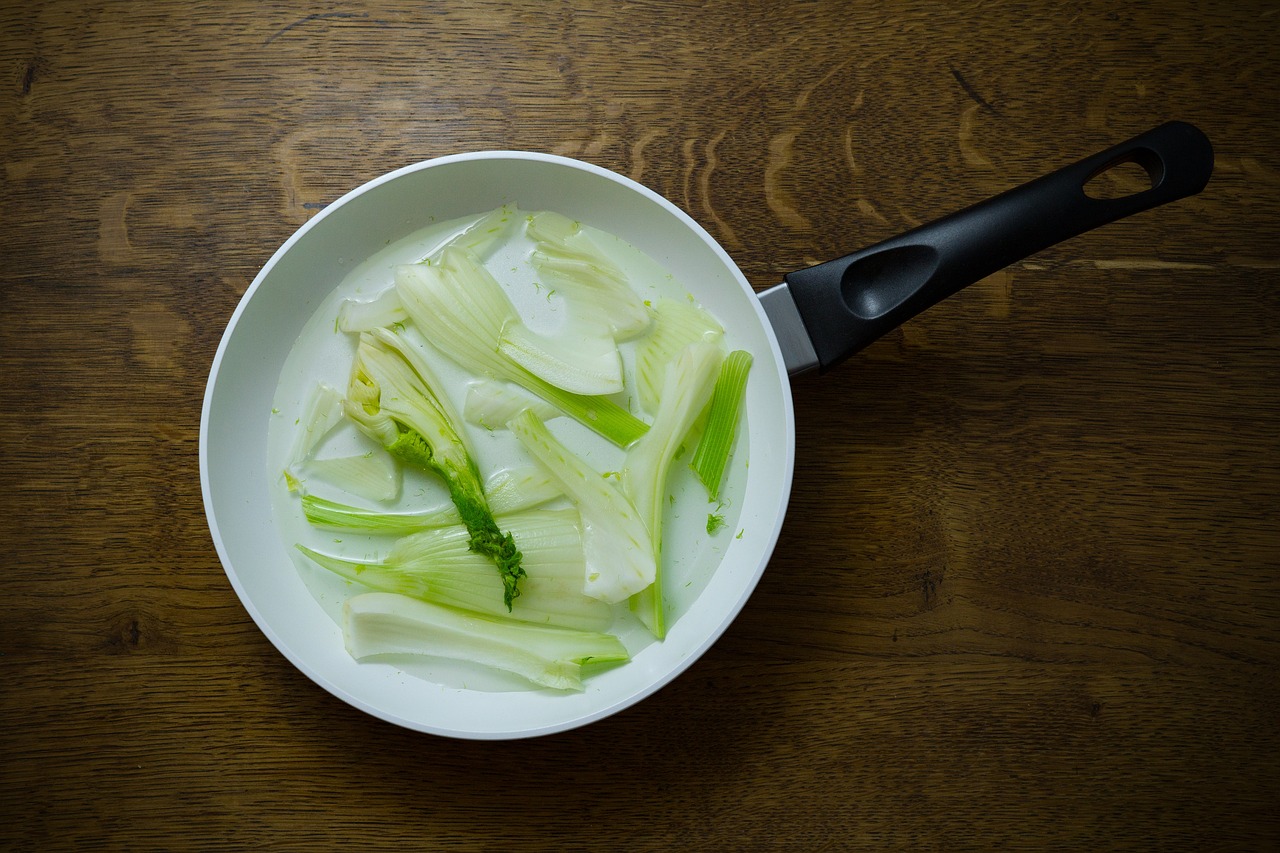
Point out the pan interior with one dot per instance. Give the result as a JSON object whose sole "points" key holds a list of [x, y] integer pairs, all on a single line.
{"points": [[265, 349]]}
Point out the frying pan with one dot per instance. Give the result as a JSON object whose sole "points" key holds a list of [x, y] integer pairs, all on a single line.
{"points": [[811, 321]]}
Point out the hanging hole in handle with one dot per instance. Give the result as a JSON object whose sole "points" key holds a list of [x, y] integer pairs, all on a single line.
{"points": [[1129, 174]]}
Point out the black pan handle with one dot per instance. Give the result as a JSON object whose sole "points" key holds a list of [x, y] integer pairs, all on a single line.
{"points": [[849, 302]]}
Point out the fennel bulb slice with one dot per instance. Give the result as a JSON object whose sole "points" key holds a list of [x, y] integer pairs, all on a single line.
{"points": [[437, 564], [382, 623], [520, 488], [364, 316], [677, 323], [490, 404], [618, 552], [690, 380], [373, 475], [582, 358], [508, 490], [395, 398], [480, 238], [571, 263], [335, 515], [462, 310]]}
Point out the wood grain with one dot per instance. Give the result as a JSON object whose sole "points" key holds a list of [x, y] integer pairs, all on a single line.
{"points": [[1028, 591]]}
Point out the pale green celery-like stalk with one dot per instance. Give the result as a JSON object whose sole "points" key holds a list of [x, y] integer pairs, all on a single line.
{"points": [[691, 378], [380, 623], [462, 311], [508, 490], [619, 554], [712, 453], [322, 512]]}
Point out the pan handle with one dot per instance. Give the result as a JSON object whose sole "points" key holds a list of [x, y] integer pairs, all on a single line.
{"points": [[849, 302]]}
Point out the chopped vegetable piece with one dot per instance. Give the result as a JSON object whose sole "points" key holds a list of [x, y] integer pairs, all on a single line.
{"points": [[676, 324], [508, 490], [462, 310], [572, 264], [382, 623], [479, 238], [482, 236], [339, 516], [490, 404], [581, 358], [393, 397], [714, 522], [619, 554], [525, 487], [373, 475], [438, 565], [323, 411], [383, 310], [690, 380], [712, 453]]}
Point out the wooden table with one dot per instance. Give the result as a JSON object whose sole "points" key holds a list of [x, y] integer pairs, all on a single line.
{"points": [[1028, 591]]}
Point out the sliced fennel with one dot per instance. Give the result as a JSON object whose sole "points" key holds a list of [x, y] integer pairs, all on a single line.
{"points": [[322, 412], [582, 358], [480, 238], [524, 487], [677, 323], [690, 380], [438, 565], [394, 398], [383, 310], [508, 490], [383, 623], [373, 475], [462, 310], [335, 515], [716, 443], [618, 552], [569, 262], [490, 404]]}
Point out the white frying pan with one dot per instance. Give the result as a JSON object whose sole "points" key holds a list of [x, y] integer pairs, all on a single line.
{"points": [[816, 318]]}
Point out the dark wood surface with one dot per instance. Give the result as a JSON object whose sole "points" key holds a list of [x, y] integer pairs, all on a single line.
{"points": [[1028, 591]]}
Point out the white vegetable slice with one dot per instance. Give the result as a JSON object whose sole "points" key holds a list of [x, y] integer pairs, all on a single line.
{"points": [[525, 487], [490, 404], [383, 310], [373, 475], [484, 235], [322, 413], [384, 623], [581, 357], [619, 553], [462, 310], [677, 323], [480, 238], [691, 378], [571, 264], [507, 490], [438, 565]]}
